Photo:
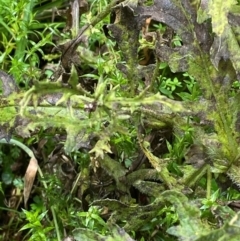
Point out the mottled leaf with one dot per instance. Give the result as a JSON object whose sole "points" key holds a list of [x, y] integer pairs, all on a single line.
{"points": [[118, 234]]}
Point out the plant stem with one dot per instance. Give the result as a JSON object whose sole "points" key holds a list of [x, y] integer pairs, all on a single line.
{"points": [[31, 154], [56, 224], [209, 182], [75, 42]]}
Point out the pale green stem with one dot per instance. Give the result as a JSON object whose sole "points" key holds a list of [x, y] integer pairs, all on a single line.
{"points": [[209, 182], [21, 43], [31, 154]]}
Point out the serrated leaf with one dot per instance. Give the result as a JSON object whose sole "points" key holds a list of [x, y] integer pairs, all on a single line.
{"points": [[113, 168], [159, 164], [191, 226], [229, 232]]}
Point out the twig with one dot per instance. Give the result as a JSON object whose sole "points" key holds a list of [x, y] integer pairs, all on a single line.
{"points": [[75, 42]]}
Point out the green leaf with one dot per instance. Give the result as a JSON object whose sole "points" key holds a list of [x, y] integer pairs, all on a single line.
{"points": [[229, 232], [218, 10], [118, 234], [191, 226], [73, 80], [101, 147]]}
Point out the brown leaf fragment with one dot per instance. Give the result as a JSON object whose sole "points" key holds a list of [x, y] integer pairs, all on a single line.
{"points": [[8, 84], [29, 179]]}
